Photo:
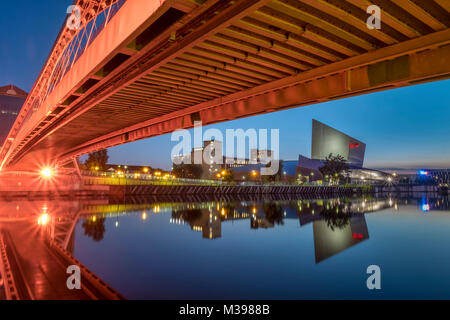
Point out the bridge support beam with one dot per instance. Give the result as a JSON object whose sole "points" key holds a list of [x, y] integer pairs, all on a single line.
{"points": [[412, 62]]}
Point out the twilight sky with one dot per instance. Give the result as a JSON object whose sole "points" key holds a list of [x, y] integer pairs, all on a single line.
{"points": [[407, 127]]}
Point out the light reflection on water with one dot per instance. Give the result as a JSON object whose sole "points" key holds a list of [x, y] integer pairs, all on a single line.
{"points": [[269, 249], [254, 248]]}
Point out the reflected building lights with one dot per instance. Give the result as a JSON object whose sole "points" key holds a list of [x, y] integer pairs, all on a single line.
{"points": [[338, 224]]}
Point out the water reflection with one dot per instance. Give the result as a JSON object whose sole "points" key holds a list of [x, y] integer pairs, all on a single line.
{"points": [[338, 224], [94, 228], [201, 233]]}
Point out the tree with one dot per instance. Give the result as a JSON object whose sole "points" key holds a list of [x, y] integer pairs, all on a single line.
{"points": [[291, 179], [228, 176], [274, 213], [334, 167], [188, 171], [336, 217], [189, 215], [97, 160], [278, 176], [94, 228]]}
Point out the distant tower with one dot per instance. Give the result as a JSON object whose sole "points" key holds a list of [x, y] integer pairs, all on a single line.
{"points": [[11, 101]]}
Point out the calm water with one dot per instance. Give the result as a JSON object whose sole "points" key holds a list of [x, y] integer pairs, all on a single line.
{"points": [[268, 249]]}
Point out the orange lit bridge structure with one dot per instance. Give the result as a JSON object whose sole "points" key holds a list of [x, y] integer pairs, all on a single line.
{"points": [[135, 69]]}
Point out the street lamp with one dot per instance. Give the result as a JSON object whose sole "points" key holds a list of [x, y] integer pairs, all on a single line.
{"points": [[43, 219], [47, 173]]}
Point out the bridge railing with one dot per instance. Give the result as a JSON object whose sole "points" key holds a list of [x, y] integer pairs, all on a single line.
{"points": [[73, 51], [71, 43]]}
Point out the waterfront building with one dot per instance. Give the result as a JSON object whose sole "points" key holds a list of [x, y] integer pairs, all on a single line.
{"points": [[134, 171], [11, 101], [208, 220], [350, 227], [244, 168], [440, 176], [327, 140], [210, 166]]}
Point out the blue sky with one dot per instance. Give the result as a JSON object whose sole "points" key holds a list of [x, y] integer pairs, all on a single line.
{"points": [[406, 127]]}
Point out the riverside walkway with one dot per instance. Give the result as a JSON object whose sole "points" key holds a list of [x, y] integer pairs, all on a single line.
{"points": [[150, 185]]}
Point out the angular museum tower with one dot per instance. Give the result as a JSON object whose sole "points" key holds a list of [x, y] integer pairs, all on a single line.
{"points": [[326, 140]]}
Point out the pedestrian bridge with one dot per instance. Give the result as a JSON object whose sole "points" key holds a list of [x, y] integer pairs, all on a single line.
{"points": [[121, 71]]}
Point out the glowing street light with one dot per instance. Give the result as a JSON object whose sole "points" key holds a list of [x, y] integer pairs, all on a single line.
{"points": [[43, 219], [46, 173]]}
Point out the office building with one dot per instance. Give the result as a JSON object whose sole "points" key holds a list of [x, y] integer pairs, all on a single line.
{"points": [[11, 101]]}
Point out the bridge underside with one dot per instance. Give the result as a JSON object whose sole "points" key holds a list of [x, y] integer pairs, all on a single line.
{"points": [[214, 61]]}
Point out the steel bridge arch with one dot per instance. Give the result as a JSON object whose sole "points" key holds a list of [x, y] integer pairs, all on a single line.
{"points": [[68, 47]]}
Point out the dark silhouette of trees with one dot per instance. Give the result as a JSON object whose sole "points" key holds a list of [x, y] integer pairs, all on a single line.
{"points": [[334, 167], [336, 217], [94, 228], [188, 171], [228, 176], [278, 176], [274, 213], [97, 159], [191, 216]]}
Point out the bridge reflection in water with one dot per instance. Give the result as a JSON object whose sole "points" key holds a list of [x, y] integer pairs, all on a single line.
{"points": [[41, 232]]}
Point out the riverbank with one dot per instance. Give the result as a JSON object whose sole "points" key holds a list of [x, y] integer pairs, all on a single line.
{"points": [[86, 187]]}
